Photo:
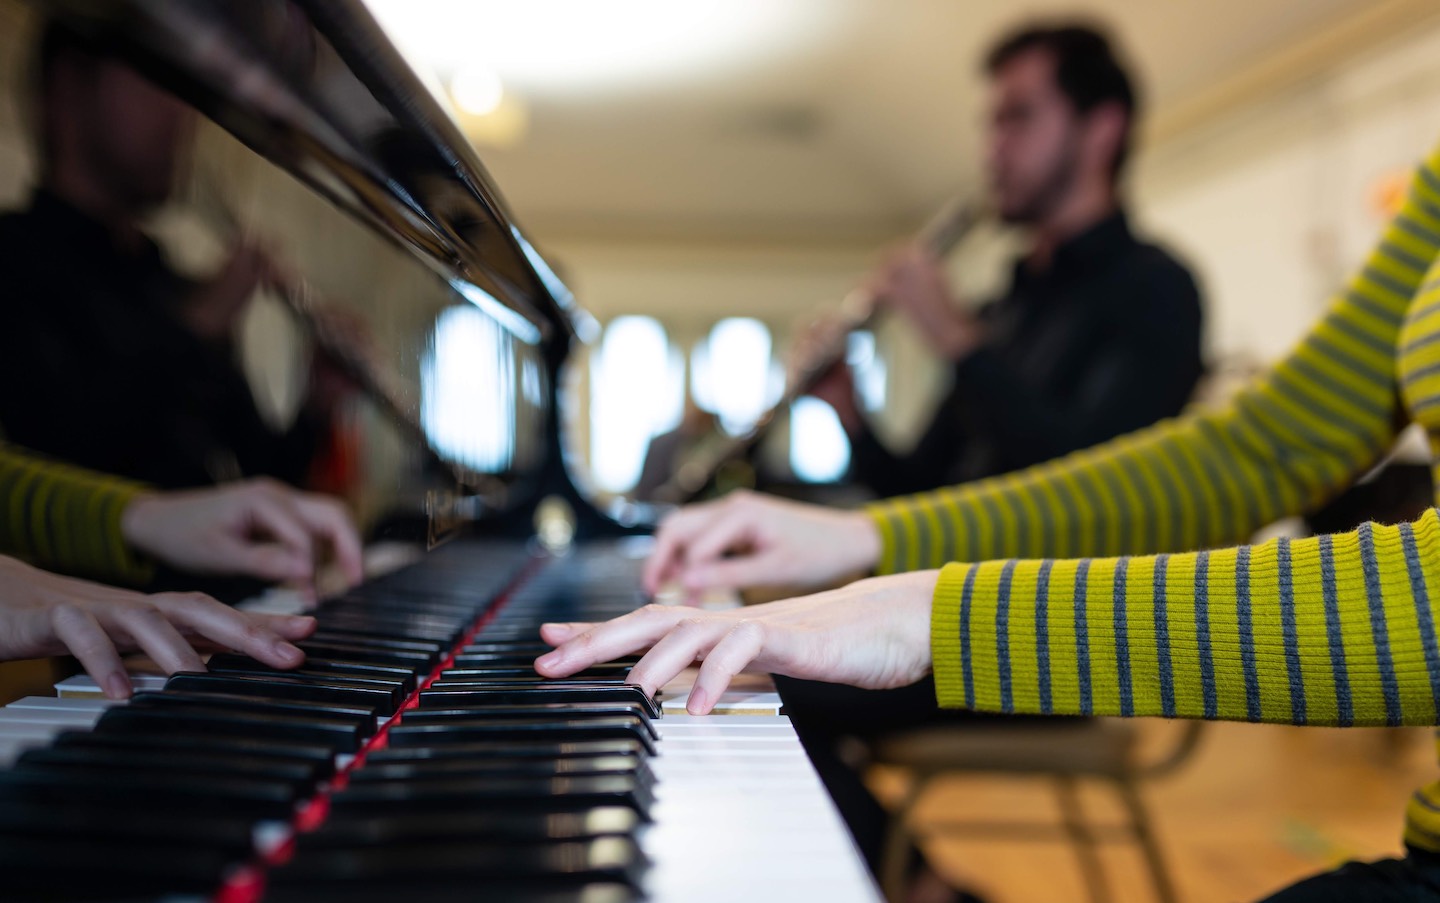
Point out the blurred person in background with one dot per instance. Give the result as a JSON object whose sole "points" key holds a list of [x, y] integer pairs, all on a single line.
{"points": [[1099, 332]]}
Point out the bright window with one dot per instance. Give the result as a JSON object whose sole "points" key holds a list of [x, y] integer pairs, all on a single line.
{"points": [[637, 391], [467, 386], [819, 448], [868, 368], [734, 374]]}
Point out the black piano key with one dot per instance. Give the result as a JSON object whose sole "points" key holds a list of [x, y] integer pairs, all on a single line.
{"points": [[608, 858], [358, 624], [340, 736], [452, 695], [527, 631], [379, 700], [177, 700], [57, 869], [536, 712], [319, 758], [523, 677], [484, 660], [371, 641], [532, 649], [508, 794], [499, 767], [510, 748], [446, 890], [605, 671], [239, 796], [352, 652], [462, 731], [234, 662], [350, 829], [410, 611], [90, 821], [301, 774], [393, 686]]}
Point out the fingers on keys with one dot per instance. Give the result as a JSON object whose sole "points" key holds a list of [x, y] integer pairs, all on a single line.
{"points": [[166, 628], [675, 638]]}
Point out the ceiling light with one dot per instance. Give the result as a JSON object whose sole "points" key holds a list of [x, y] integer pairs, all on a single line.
{"points": [[584, 46], [477, 90]]}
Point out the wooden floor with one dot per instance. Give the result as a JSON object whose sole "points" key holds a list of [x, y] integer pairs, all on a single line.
{"points": [[1257, 807]]}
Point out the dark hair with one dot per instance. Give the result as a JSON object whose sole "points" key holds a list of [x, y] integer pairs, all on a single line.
{"points": [[56, 42], [59, 40], [1087, 71]]}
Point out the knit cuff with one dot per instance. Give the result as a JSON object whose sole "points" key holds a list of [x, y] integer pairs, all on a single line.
{"points": [[127, 566], [885, 525], [945, 641]]}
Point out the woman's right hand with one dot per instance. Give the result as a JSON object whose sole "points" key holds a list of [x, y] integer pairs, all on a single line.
{"points": [[747, 539], [45, 614]]}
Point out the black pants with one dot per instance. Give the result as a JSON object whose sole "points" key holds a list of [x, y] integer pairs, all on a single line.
{"points": [[1414, 879]]}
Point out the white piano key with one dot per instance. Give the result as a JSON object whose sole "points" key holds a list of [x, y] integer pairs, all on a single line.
{"points": [[25, 732], [11, 748], [730, 702], [83, 685], [741, 814], [278, 600], [727, 723], [66, 717], [33, 721], [70, 703]]}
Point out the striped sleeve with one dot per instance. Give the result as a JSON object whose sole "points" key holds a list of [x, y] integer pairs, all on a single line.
{"points": [[1330, 630], [66, 519], [1284, 445]]}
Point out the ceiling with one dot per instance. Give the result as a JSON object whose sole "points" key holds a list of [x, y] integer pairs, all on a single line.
{"points": [[826, 119]]}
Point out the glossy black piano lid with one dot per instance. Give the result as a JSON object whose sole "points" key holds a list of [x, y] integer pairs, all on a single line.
{"points": [[317, 87], [318, 139]]}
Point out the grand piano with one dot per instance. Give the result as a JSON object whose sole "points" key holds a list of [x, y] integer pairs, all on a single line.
{"points": [[415, 755]]}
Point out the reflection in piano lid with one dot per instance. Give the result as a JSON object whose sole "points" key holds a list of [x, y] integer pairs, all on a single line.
{"points": [[315, 89]]}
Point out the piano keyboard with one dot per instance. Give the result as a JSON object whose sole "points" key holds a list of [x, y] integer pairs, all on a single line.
{"points": [[416, 755]]}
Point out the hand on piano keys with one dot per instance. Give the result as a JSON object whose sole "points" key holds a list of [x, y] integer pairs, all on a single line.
{"points": [[45, 614], [747, 539], [873, 633], [257, 528]]}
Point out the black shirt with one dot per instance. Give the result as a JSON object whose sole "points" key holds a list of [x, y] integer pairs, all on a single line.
{"points": [[1104, 341], [97, 369]]}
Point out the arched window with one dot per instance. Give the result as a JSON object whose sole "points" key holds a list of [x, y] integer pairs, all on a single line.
{"points": [[868, 366], [819, 448], [467, 386], [637, 391], [735, 376]]}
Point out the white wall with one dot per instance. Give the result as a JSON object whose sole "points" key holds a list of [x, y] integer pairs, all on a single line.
{"points": [[1275, 204]]}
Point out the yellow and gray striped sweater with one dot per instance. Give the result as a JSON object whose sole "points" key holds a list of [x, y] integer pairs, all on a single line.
{"points": [[66, 519], [1336, 630]]}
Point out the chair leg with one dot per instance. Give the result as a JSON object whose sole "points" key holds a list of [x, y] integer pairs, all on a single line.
{"points": [[1149, 844], [895, 862], [1082, 839]]}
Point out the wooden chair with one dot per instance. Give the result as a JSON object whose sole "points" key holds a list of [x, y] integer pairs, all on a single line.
{"points": [[1063, 753]]}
